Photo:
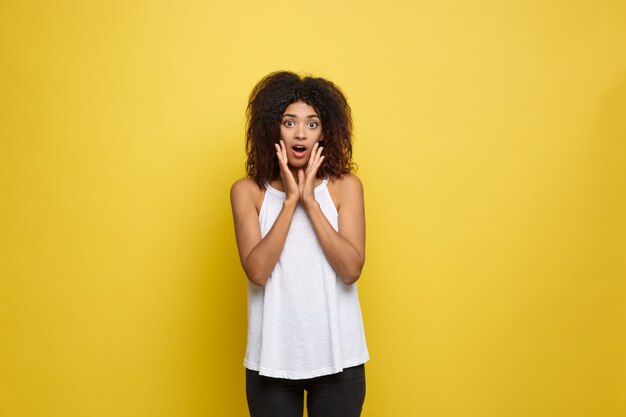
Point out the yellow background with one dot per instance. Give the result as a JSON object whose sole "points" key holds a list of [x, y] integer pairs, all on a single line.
{"points": [[491, 140]]}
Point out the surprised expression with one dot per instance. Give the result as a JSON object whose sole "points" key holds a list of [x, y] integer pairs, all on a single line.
{"points": [[300, 129]]}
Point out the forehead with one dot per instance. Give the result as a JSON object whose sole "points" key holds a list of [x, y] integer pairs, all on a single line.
{"points": [[300, 108]]}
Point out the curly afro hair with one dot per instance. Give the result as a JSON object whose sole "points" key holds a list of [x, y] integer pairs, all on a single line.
{"points": [[266, 105]]}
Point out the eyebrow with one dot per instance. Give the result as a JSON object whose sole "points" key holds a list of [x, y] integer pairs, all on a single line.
{"points": [[294, 116]]}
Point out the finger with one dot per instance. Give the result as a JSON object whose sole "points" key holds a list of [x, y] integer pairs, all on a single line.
{"points": [[277, 147], [279, 155], [318, 164], [312, 157], [318, 153], [284, 149], [283, 154], [317, 160]]}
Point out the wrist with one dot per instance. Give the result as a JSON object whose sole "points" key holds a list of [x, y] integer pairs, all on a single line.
{"points": [[290, 202], [310, 203]]}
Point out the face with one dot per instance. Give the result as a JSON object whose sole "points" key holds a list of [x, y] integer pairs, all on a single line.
{"points": [[300, 129]]}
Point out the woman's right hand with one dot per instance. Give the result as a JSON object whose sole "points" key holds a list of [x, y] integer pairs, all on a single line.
{"points": [[289, 182]]}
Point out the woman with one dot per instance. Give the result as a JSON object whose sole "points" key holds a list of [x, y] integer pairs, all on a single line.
{"points": [[300, 229]]}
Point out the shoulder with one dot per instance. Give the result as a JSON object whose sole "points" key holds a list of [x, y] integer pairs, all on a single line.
{"points": [[245, 190], [244, 185], [348, 188], [349, 182]]}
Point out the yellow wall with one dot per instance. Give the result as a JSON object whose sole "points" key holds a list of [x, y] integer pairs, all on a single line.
{"points": [[491, 141]]}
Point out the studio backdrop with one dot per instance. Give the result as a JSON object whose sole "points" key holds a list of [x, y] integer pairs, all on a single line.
{"points": [[490, 137]]}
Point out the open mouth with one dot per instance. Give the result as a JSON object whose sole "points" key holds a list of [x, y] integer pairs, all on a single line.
{"points": [[299, 150]]}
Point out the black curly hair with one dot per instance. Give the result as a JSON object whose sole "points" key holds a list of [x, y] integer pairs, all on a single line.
{"points": [[266, 105]]}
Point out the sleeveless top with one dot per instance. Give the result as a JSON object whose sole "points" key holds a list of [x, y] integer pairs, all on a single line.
{"points": [[305, 322]]}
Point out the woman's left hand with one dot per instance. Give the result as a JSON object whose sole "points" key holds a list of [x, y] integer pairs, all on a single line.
{"points": [[306, 179]]}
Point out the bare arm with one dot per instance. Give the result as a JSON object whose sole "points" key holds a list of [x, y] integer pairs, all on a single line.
{"points": [[258, 256], [345, 249]]}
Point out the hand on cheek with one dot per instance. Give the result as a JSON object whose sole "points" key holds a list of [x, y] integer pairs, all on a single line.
{"points": [[306, 178]]}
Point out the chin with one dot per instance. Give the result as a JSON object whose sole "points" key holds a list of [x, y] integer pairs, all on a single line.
{"points": [[299, 163]]}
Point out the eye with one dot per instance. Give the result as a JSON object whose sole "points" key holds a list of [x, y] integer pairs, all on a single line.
{"points": [[312, 125], [290, 123]]}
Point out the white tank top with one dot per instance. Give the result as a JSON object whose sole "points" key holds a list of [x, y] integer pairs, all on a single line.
{"points": [[305, 322]]}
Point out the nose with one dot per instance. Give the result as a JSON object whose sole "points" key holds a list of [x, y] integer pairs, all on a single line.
{"points": [[300, 132]]}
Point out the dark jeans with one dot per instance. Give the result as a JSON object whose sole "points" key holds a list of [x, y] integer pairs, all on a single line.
{"points": [[337, 395]]}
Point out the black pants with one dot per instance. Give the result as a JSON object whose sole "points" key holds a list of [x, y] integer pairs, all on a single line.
{"points": [[337, 395]]}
